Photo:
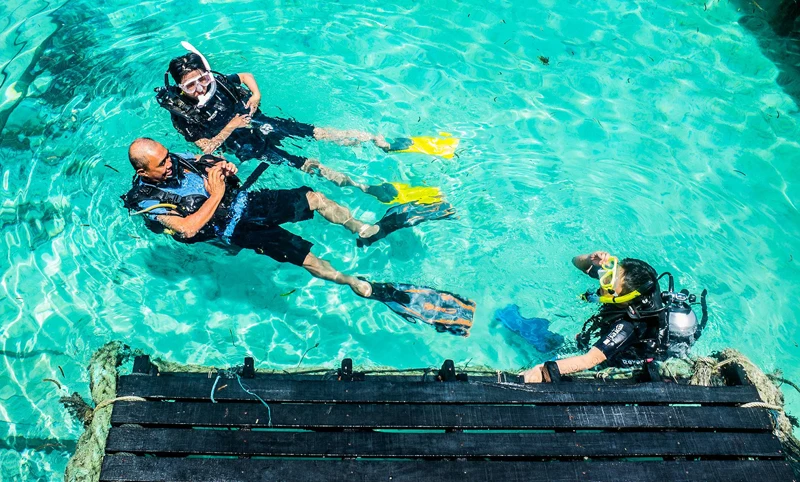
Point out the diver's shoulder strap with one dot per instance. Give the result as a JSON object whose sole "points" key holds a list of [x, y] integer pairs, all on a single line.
{"points": [[237, 93], [170, 99]]}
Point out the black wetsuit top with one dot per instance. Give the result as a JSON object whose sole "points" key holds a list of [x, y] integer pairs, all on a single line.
{"points": [[259, 141]]}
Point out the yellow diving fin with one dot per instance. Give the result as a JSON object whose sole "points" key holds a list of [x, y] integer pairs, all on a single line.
{"points": [[419, 194], [444, 146], [399, 193]]}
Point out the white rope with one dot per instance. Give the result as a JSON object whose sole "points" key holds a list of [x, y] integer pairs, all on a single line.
{"points": [[129, 398], [762, 405]]}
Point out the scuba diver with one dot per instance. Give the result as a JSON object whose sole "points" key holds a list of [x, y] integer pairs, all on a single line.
{"points": [[636, 323], [200, 198], [215, 111]]}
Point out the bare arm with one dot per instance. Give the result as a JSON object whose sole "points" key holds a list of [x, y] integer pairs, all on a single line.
{"points": [[568, 365], [210, 145], [255, 99], [585, 261], [250, 81], [189, 226], [579, 363]]}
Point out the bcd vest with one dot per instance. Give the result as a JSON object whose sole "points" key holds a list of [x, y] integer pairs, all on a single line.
{"points": [[185, 205]]}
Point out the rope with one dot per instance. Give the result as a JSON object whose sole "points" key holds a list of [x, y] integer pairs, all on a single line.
{"points": [[128, 398], [732, 360], [768, 406], [783, 380], [244, 389], [213, 389], [85, 464]]}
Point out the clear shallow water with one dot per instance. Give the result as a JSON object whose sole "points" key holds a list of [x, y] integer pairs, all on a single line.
{"points": [[630, 140]]}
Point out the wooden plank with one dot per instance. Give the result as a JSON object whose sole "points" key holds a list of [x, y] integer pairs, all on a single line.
{"points": [[543, 417], [168, 441], [183, 388], [143, 469]]}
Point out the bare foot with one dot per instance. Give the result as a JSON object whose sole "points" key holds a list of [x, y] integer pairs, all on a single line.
{"points": [[362, 288], [380, 141], [368, 230]]}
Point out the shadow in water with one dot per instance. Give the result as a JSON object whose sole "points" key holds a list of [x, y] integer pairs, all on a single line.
{"points": [[774, 25], [220, 274]]}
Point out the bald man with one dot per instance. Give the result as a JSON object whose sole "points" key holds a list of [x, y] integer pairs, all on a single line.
{"points": [[199, 198]]}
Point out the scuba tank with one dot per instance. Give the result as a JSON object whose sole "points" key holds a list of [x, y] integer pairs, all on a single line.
{"points": [[682, 326]]}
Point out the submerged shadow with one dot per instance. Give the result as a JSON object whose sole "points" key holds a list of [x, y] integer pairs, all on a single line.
{"points": [[774, 25]]}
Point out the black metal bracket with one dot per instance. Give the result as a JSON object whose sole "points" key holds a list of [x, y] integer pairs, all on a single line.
{"points": [[651, 372], [249, 370], [346, 373], [551, 372], [143, 366], [448, 373]]}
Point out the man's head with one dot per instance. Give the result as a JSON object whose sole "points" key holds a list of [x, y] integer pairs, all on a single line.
{"points": [[190, 73], [150, 160], [633, 275]]}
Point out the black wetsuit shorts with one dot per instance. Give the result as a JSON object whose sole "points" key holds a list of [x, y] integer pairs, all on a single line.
{"points": [[259, 229], [261, 140]]}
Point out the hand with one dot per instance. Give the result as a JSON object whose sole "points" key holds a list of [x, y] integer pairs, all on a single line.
{"points": [[599, 258], [215, 181], [534, 375], [253, 103], [228, 168], [240, 120]]}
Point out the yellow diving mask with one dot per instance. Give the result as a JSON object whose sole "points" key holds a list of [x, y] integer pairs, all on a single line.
{"points": [[607, 274]]}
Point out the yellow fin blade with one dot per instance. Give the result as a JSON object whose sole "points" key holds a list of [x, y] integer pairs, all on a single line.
{"points": [[419, 194], [435, 146]]}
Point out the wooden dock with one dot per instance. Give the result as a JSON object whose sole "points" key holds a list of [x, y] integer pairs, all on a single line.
{"points": [[352, 427]]}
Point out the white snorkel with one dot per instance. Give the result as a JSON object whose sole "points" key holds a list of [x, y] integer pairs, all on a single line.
{"points": [[212, 87]]}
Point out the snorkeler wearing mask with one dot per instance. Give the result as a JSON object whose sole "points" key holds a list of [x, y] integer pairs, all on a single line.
{"points": [[217, 111], [636, 322]]}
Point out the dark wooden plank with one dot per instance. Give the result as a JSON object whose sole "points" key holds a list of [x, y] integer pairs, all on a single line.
{"points": [[180, 388], [510, 417], [168, 441], [143, 469]]}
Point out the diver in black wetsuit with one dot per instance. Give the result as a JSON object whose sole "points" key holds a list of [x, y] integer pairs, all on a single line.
{"points": [[636, 322], [217, 111]]}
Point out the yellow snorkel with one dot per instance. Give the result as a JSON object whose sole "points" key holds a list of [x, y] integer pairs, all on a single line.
{"points": [[611, 299], [157, 206]]}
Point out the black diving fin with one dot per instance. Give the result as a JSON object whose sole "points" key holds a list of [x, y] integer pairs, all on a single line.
{"points": [[406, 216]]}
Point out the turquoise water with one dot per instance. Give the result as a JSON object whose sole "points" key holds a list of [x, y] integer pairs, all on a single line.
{"points": [[657, 130]]}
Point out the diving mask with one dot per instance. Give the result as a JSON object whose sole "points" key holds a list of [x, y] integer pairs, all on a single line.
{"points": [[607, 274], [192, 85], [206, 79]]}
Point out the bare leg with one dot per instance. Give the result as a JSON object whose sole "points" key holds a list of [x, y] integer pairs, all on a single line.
{"points": [[338, 214], [348, 137], [323, 270], [313, 166]]}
